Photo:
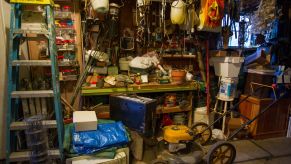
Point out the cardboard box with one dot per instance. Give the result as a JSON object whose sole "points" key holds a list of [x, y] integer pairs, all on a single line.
{"points": [[85, 120]]}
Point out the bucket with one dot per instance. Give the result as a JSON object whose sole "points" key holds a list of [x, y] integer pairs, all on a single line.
{"points": [[124, 64], [101, 6], [227, 88], [178, 12], [178, 76]]}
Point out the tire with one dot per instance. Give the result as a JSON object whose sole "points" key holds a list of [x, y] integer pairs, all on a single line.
{"points": [[201, 138], [217, 154]]}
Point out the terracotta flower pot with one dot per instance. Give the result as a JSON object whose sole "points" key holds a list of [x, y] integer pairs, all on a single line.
{"points": [[178, 73], [178, 76]]}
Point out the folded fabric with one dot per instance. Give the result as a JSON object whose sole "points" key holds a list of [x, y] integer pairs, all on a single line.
{"points": [[106, 136]]}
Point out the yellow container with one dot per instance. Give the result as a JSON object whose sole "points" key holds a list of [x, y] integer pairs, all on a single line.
{"points": [[177, 133], [36, 2]]}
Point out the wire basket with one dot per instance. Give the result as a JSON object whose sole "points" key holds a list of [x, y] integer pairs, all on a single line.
{"points": [[36, 139]]}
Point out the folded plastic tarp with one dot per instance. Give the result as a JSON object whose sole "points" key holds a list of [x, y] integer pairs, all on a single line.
{"points": [[68, 144], [106, 136]]}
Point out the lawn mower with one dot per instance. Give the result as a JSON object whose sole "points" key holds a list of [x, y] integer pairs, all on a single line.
{"points": [[185, 145]]}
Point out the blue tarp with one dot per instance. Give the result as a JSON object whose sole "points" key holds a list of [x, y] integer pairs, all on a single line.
{"points": [[107, 135]]}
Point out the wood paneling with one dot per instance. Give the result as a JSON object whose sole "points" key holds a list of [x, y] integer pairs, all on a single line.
{"points": [[272, 123]]}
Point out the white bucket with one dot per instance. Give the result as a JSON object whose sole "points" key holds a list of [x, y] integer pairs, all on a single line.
{"points": [[100, 6], [227, 66], [124, 64], [227, 88], [178, 12]]}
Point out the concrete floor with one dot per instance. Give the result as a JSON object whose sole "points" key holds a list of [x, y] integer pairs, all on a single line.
{"points": [[274, 150], [268, 151]]}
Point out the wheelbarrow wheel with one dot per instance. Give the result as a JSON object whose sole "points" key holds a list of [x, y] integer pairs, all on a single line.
{"points": [[221, 152], [200, 137]]}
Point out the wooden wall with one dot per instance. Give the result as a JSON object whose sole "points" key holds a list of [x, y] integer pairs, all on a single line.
{"points": [[4, 26]]}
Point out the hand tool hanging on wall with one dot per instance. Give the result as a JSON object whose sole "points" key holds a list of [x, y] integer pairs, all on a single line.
{"points": [[102, 34], [143, 31], [201, 64]]}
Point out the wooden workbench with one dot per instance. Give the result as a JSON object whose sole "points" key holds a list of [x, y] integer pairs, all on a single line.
{"points": [[142, 88], [152, 87]]}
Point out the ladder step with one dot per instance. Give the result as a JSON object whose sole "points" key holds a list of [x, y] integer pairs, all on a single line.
{"points": [[31, 63], [29, 94], [25, 155], [22, 31], [22, 125]]}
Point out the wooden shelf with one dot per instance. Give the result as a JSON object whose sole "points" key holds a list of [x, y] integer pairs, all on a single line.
{"points": [[178, 56], [162, 109], [69, 78]]}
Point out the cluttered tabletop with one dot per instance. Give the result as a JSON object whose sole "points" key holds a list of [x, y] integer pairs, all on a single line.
{"points": [[142, 88]]}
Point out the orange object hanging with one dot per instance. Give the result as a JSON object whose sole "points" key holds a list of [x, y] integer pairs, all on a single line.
{"points": [[211, 15], [214, 12]]}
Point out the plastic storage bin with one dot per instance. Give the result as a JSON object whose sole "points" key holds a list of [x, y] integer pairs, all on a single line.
{"points": [[227, 66]]}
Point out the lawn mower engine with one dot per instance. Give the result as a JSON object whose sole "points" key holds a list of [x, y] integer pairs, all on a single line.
{"points": [[179, 138], [181, 147]]}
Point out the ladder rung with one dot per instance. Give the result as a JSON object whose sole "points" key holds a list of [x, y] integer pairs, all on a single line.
{"points": [[22, 31], [35, 93], [21, 125], [31, 63], [25, 155]]}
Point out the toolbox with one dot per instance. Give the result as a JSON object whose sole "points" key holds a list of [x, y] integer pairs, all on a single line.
{"points": [[135, 112]]}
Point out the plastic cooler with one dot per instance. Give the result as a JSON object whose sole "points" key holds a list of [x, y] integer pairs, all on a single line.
{"points": [[135, 112], [227, 66]]}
